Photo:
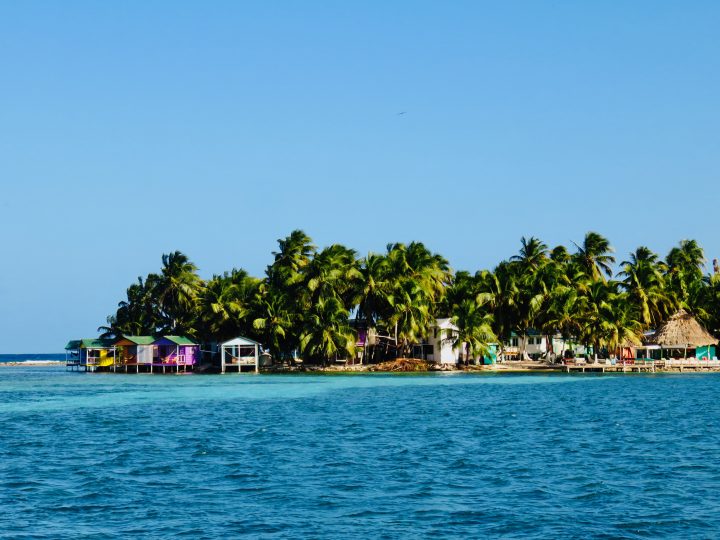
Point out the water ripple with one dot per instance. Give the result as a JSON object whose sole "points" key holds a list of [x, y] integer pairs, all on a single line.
{"points": [[377, 456]]}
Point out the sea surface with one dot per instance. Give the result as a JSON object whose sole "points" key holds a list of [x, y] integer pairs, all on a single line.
{"points": [[35, 358], [358, 456]]}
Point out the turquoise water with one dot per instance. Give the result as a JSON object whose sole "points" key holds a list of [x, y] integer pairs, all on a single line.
{"points": [[37, 357], [362, 456]]}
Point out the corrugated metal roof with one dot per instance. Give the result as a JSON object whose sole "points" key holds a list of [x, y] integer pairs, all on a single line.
{"points": [[139, 340], [73, 344], [240, 341], [528, 332], [178, 340], [94, 343]]}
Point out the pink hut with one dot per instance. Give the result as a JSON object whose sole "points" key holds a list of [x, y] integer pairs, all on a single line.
{"points": [[176, 352]]}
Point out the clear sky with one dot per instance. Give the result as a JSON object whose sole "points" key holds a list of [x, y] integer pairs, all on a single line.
{"points": [[132, 129]]}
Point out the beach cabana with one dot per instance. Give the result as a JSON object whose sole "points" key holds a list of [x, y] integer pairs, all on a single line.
{"points": [[238, 353], [174, 352], [90, 354], [135, 351], [682, 333]]}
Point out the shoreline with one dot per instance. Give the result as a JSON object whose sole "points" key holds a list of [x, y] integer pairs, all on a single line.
{"points": [[496, 369], [34, 363]]}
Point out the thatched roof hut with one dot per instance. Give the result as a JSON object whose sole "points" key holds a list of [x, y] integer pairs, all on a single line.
{"points": [[682, 330]]}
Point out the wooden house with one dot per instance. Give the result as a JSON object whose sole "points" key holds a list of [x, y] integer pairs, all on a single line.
{"points": [[135, 351], [91, 354], [176, 352]]}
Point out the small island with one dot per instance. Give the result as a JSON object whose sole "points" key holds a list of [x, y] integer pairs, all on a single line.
{"points": [[330, 310]]}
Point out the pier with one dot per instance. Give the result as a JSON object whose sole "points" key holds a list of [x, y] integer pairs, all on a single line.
{"points": [[649, 366]]}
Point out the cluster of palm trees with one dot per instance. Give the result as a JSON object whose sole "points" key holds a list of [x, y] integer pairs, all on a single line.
{"points": [[578, 295], [314, 302]]}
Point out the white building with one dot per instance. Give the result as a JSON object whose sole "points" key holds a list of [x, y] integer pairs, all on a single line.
{"points": [[238, 353], [537, 346], [438, 345]]}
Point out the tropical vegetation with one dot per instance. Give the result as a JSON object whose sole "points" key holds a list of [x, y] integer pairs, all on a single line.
{"points": [[313, 303]]}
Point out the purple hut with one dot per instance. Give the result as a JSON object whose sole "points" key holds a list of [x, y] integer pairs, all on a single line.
{"points": [[176, 352]]}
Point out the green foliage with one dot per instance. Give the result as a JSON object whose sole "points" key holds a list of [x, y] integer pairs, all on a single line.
{"points": [[303, 304], [326, 331]]}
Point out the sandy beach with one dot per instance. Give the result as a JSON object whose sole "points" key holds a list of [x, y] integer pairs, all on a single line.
{"points": [[34, 363]]}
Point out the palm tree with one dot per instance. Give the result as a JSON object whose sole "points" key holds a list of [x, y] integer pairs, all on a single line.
{"points": [[684, 271], [533, 255], [138, 314], [555, 283], [372, 295], [283, 299], [559, 254], [500, 293], [274, 322], [226, 305], [594, 256], [563, 313], [416, 282], [644, 281], [291, 259], [607, 317], [326, 333], [431, 270], [333, 272], [709, 302], [412, 314], [688, 256], [595, 303], [622, 327], [176, 291], [464, 285], [528, 270], [474, 328]]}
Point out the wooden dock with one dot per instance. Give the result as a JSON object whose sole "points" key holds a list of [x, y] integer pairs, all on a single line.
{"points": [[645, 366], [610, 368]]}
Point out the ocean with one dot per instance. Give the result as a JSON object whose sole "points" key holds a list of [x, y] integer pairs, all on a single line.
{"points": [[35, 358], [358, 456]]}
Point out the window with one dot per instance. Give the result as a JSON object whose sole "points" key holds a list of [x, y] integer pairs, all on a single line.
{"points": [[514, 342]]}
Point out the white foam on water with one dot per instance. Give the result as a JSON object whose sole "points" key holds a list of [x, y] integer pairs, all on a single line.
{"points": [[95, 391]]}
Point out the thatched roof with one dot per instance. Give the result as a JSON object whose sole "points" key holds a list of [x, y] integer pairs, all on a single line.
{"points": [[682, 330]]}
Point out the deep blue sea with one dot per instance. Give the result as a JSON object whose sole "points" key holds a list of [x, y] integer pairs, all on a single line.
{"points": [[358, 456]]}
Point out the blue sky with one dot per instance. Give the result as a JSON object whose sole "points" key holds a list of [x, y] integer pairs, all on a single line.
{"points": [[133, 129]]}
